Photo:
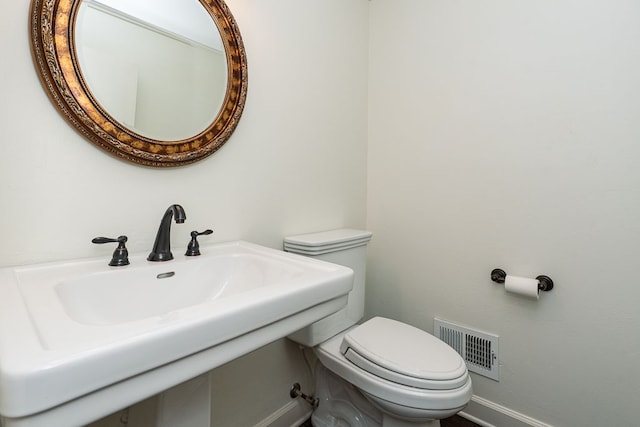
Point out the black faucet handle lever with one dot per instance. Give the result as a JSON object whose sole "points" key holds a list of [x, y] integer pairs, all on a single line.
{"points": [[99, 240], [193, 248], [120, 255]]}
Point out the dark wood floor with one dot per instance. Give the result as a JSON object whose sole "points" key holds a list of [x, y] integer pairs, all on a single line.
{"points": [[455, 421]]}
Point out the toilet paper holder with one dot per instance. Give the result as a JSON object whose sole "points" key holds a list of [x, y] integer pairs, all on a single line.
{"points": [[544, 282]]}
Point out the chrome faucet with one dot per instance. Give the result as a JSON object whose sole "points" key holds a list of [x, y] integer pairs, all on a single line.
{"points": [[162, 246]]}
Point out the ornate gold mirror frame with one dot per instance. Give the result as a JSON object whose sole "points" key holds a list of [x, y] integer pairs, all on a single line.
{"points": [[52, 41]]}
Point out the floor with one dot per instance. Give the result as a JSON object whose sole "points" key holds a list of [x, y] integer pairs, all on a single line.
{"points": [[455, 421]]}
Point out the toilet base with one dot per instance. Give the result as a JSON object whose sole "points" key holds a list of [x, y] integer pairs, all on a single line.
{"points": [[388, 421], [343, 405]]}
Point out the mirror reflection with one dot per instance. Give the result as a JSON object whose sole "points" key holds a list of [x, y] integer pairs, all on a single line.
{"points": [[160, 70]]}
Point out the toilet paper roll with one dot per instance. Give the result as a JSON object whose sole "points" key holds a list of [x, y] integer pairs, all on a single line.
{"points": [[522, 286]]}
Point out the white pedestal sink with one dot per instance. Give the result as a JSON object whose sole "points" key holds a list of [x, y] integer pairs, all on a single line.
{"points": [[80, 340]]}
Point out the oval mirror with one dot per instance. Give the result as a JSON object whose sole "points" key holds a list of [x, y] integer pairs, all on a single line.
{"points": [[158, 83]]}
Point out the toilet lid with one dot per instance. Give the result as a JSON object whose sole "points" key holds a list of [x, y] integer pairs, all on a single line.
{"points": [[404, 354]]}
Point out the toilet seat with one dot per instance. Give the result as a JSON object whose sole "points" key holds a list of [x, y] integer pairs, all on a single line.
{"points": [[404, 354]]}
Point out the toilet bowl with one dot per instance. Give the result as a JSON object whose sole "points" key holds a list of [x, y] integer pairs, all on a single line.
{"points": [[403, 371], [381, 373]]}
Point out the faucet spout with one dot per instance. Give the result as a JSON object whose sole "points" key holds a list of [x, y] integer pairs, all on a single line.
{"points": [[162, 246]]}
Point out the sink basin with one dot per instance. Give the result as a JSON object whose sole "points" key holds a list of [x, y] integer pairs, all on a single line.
{"points": [[80, 339], [112, 297]]}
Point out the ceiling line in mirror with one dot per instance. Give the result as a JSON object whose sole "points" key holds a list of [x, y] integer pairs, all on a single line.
{"points": [[56, 59], [190, 29]]}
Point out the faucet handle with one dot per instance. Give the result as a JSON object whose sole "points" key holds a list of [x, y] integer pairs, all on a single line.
{"points": [[120, 255], [193, 248]]}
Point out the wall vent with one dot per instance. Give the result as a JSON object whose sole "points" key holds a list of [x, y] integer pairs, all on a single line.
{"points": [[478, 349]]}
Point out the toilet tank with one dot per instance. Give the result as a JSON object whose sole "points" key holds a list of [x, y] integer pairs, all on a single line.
{"points": [[345, 247]]}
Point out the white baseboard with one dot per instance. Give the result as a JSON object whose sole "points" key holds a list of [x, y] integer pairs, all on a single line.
{"points": [[481, 411], [489, 414], [293, 414]]}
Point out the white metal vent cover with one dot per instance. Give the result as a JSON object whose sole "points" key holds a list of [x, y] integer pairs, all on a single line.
{"points": [[478, 349]]}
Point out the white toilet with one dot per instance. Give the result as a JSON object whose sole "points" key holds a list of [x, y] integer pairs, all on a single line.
{"points": [[382, 373]]}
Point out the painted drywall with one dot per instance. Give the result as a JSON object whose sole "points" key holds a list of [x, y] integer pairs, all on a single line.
{"points": [[505, 134], [296, 163]]}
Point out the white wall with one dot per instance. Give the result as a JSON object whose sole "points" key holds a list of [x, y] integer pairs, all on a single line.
{"points": [[296, 163], [506, 134]]}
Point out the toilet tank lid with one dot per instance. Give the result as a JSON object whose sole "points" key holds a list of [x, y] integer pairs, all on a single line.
{"points": [[331, 237]]}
